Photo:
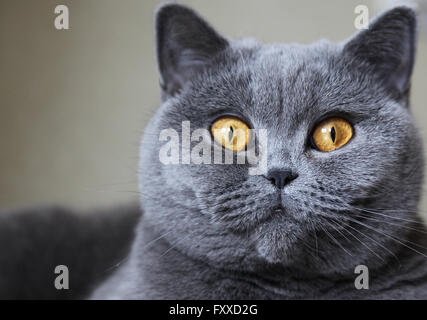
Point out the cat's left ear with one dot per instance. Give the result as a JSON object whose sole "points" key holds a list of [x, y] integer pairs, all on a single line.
{"points": [[388, 48], [185, 44]]}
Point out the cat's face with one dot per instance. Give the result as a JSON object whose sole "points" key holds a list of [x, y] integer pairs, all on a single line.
{"points": [[338, 203]]}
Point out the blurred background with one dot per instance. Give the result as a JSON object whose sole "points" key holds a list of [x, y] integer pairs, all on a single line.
{"points": [[74, 103]]}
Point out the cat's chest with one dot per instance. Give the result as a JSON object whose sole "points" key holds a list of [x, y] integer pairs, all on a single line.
{"points": [[162, 272], [180, 278], [176, 276]]}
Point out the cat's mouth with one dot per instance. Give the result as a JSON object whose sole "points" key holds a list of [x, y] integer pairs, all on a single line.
{"points": [[280, 205], [278, 209]]}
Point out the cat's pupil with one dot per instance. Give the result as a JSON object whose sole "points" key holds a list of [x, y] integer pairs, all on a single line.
{"points": [[333, 134], [230, 134]]}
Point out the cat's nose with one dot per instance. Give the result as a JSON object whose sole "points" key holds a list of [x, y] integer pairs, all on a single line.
{"points": [[281, 178]]}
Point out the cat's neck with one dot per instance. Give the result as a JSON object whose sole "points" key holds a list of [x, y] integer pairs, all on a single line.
{"points": [[161, 272], [157, 270]]}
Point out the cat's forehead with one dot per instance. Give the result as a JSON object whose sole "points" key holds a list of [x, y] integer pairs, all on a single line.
{"points": [[287, 84], [268, 55], [293, 69], [290, 80]]}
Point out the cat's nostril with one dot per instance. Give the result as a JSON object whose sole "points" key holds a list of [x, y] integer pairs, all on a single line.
{"points": [[280, 178]]}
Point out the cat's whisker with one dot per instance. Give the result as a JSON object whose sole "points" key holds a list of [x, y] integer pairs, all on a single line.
{"points": [[342, 219], [175, 244], [365, 216], [334, 239], [152, 242], [315, 237], [359, 240], [337, 230], [370, 238], [388, 216], [401, 241], [116, 265]]}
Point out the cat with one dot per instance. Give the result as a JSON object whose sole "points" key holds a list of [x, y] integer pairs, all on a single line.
{"points": [[213, 231], [341, 187]]}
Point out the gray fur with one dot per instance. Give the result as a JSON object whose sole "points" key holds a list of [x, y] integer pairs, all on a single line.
{"points": [[209, 231], [214, 231], [33, 241]]}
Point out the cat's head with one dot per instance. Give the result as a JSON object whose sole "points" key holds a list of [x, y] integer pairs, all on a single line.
{"points": [[343, 157]]}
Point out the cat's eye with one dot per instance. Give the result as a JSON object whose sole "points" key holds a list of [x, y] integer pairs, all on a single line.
{"points": [[331, 134], [231, 132]]}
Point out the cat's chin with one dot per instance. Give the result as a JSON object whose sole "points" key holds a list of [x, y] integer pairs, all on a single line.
{"points": [[278, 242]]}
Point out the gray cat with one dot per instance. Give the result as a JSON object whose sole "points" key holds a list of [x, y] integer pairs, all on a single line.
{"points": [[344, 170], [214, 231]]}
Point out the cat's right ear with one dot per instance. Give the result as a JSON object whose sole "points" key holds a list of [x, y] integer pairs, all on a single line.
{"points": [[388, 47], [184, 43]]}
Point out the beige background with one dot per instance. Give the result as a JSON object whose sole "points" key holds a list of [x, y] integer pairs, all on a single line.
{"points": [[74, 103]]}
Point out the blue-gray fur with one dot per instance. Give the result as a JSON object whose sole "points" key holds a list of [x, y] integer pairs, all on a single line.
{"points": [[211, 232], [33, 241], [216, 232]]}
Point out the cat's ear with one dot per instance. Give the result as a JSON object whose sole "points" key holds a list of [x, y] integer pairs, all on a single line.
{"points": [[185, 43], [388, 47]]}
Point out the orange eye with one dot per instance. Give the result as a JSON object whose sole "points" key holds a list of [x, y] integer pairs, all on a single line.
{"points": [[331, 134], [231, 132]]}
